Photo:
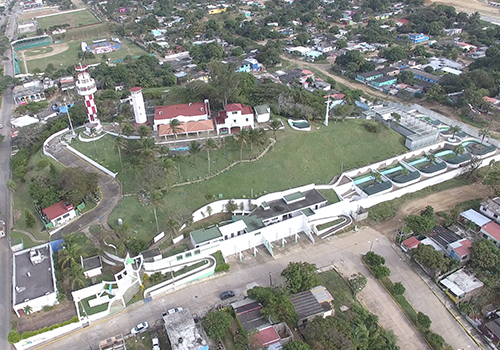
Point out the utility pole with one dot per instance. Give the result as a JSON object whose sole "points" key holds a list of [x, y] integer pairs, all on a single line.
{"points": [[327, 110]]}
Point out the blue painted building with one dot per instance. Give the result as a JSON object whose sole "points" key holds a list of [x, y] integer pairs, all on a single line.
{"points": [[424, 76], [384, 81], [418, 38], [369, 76], [243, 67]]}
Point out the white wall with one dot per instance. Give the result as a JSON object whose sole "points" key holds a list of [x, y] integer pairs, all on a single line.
{"points": [[43, 337], [91, 161], [38, 303], [50, 138]]}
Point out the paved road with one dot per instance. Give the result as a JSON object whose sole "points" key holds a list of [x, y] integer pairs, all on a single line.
{"points": [[5, 256], [109, 187], [343, 252]]}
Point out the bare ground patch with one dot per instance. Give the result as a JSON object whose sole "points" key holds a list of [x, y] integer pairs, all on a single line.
{"points": [[56, 49]]}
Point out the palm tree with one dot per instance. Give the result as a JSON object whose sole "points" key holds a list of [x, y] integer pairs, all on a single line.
{"points": [[127, 129], [27, 310], [147, 150], [491, 165], [210, 144], [173, 225], [194, 149], [121, 145], [157, 200], [431, 157], [241, 139], [256, 136], [11, 185], [483, 133], [405, 171], [454, 129], [175, 127], [169, 166], [76, 276], [70, 255], [275, 125], [377, 177], [144, 131], [459, 149]]}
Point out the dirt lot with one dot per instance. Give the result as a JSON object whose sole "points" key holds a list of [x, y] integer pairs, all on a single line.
{"points": [[57, 49], [33, 14], [442, 201], [470, 6], [59, 313]]}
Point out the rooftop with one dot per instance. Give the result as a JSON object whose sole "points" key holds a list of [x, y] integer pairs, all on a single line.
{"points": [[233, 227], [262, 109], [187, 127], [33, 280], [411, 242], [204, 235], [424, 74], [475, 217], [295, 202], [248, 313], [461, 282], [233, 107], [265, 337], [384, 79], [180, 110], [493, 229], [91, 263], [183, 333], [253, 223], [462, 247], [57, 210], [492, 205], [306, 305], [443, 236]]}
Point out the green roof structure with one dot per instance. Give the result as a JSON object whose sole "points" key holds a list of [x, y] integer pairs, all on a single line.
{"points": [[294, 197], [202, 235]]}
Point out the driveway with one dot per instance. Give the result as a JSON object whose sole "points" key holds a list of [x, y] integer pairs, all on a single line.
{"points": [[109, 187], [423, 299], [344, 252]]}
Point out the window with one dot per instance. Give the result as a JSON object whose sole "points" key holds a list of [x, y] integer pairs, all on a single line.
{"points": [[495, 216], [188, 255], [257, 233], [65, 216], [246, 119], [234, 120], [179, 257]]}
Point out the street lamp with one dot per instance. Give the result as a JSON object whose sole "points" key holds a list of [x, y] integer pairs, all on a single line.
{"points": [[371, 244], [270, 280], [69, 118]]}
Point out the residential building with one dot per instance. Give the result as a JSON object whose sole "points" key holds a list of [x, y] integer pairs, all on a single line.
{"points": [[59, 214], [323, 85], [461, 286], [235, 117], [473, 216], [243, 67], [114, 343], [183, 332], [187, 112], [254, 64], [409, 244], [390, 71], [189, 129], [313, 55], [460, 250], [453, 31], [492, 330], [466, 47], [384, 81], [414, 38], [369, 76], [92, 266], [324, 47], [202, 237], [491, 208], [262, 113], [443, 237], [491, 231], [33, 279], [424, 76], [309, 304], [67, 83]]}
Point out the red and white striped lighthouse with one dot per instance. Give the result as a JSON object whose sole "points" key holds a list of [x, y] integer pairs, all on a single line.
{"points": [[86, 87]]}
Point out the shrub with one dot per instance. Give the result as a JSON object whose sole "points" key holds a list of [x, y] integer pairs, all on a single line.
{"points": [[374, 259], [30, 334], [424, 320], [222, 267], [436, 341], [29, 219], [398, 289], [372, 126], [42, 164], [381, 212], [381, 271], [13, 336]]}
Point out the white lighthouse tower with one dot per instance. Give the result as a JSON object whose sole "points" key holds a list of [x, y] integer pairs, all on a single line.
{"points": [[138, 105], [86, 87]]}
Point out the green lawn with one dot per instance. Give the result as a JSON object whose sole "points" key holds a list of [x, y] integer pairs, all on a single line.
{"points": [[74, 19], [329, 224], [15, 237], [84, 304], [330, 195], [297, 159], [338, 288]]}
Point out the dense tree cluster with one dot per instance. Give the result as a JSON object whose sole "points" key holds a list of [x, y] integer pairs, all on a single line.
{"points": [[422, 223]]}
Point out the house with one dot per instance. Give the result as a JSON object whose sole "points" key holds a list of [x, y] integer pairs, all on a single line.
{"points": [[309, 304], [216, 11], [466, 47], [424, 76], [460, 250], [254, 64], [262, 113], [34, 280], [401, 21], [492, 330], [243, 67], [324, 47], [196, 129], [461, 286], [46, 114], [91, 266], [313, 55], [184, 333], [409, 244], [235, 117], [443, 237], [67, 83], [491, 208], [323, 85], [390, 71], [59, 214], [369, 76], [384, 81], [453, 31], [203, 236], [491, 231], [473, 216], [187, 112]]}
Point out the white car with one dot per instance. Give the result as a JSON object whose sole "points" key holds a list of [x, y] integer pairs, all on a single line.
{"points": [[174, 310], [156, 344], [140, 328]]}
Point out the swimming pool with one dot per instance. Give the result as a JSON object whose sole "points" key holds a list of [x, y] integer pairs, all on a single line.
{"points": [[302, 125], [443, 153], [418, 161], [179, 149]]}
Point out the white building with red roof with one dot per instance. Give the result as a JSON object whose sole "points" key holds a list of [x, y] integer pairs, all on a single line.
{"points": [[59, 214], [235, 117], [187, 112], [491, 231]]}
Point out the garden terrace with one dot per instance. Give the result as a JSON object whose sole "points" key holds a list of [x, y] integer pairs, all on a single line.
{"points": [[478, 149], [395, 173], [451, 157], [425, 166], [86, 309], [367, 184]]}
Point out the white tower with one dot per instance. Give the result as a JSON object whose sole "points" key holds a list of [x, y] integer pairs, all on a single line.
{"points": [[86, 87], [138, 104]]}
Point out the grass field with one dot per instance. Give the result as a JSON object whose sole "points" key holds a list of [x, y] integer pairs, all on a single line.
{"points": [[298, 158], [38, 51], [74, 19], [70, 56]]}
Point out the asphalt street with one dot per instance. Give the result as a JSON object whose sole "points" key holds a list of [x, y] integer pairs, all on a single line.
{"points": [[5, 256], [342, 252]]}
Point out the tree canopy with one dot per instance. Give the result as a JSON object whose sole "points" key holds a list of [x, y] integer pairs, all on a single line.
{"points": [[300, 276]]}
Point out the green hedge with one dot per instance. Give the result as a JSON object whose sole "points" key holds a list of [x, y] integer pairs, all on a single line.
{"points": [[14, 336], [221, 264]]}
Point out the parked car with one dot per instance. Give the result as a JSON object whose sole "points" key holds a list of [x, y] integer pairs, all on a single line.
{"points": [[227, 294], [156, 344], [196, 319], [174, 310], [140, 328]]}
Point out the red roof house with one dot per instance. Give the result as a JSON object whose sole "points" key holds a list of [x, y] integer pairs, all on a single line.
{"points": [[265, 337], [491, 231], [235, 117], [59, 214], [410, 243], [186, 112]]}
